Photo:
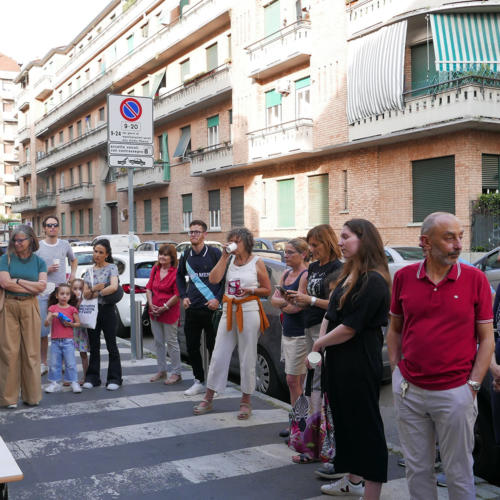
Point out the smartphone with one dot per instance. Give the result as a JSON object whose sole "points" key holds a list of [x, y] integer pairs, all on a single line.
{"points": [[281, 290]]}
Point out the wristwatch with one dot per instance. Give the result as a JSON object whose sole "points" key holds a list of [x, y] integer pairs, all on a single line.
{"points": [[313, 300], [476, 386]]}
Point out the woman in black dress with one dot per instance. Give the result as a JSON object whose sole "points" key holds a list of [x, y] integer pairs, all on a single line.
{"points": [[353, 339]]}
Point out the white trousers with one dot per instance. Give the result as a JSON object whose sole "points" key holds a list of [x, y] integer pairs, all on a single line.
{"points": [[448, 416], [225, 343], [163, 332]]}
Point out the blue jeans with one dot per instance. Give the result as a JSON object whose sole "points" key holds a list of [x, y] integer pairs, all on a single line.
{"points": [[62, 349]]}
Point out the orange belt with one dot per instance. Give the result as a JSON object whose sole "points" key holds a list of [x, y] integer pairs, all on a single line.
{"points": [[264, 322]]}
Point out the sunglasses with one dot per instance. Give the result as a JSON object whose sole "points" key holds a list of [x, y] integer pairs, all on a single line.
{"points": [[52, 225]]}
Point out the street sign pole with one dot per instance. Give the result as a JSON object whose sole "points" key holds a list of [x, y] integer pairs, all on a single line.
{"points": [[131, 250]]}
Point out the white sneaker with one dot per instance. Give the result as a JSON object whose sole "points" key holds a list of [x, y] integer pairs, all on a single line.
{"points": [[43, 369], [53, 387], [343, 487], [196, 388], [87, 385], [75, 387], [112, 387]]}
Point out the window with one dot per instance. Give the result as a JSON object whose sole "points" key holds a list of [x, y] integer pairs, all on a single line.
{"points": [[187, 210], [61, 137], [89, 172], [46, 142], [184, 145], [271, 18], [423, 68], [303, 98], [145, 89], [130, 44], [77, 83], [214, 209], [213, 130], [286, 203], [60, 95], [87, 74], [79, 128], [61, 186], [184, 70], [273, 108], [490, 168], [182, 4], [164, 215], [148, 217], [145, 30], [230, 113], [70, 88], [212, 62], [73, 223], [102, 115], [229, 48], [318, 199], [80, 218], [80, 180], [52, 141], [63, 223], [433, 186], [237, 206], [91, 221], [71, 177], [70, 132], [88, 123]]}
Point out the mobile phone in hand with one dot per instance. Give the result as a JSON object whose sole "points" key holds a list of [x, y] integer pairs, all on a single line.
{"points": [[281, 290]]}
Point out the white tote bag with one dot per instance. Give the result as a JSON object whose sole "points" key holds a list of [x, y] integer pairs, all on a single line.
{"points": [[88, 308]]}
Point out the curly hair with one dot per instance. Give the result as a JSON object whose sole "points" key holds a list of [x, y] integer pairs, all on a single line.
{"points": [[73, 300]]}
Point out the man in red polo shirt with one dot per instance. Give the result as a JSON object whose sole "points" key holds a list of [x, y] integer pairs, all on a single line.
{"points": [[440, 344]]}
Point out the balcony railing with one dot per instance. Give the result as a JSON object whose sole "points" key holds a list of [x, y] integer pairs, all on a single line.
{"points": [[22, 204], [9, 116], [211, 159], [143, 178], [86, 143], [80, 192], [9, 179], [9, 198], [22, 170], [24, 134], [192, 25], [467, 98], [10, 157], [281, 50], [44, 87], [46, 200], [281, 140], [200, 92]]}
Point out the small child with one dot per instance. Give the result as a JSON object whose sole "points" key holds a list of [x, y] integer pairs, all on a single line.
{"points": [[62, 347], [81, 337]]}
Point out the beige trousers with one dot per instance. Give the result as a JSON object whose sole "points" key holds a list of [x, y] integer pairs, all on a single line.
{"points": [[20, 351]]}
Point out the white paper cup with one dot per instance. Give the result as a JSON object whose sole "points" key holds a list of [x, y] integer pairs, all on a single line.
{"points": [[56, 262], [314, 358], [231, 247]]}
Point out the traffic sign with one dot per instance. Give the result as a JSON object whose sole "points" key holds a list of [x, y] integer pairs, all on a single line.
{"points": [[131, 161], [131, 109]]}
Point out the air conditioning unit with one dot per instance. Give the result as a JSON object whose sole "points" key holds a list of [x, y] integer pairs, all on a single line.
{"points": [[283, 87]]}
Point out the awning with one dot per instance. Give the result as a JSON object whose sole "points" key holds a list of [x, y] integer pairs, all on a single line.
{"points": [[182, 145], [156, 81], [466, 41], [375, 75]]}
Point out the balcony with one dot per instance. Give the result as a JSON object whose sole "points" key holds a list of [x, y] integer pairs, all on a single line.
{"points": [[75, 194], [44, 87], [196, 23], [9, 198], [451, 104], [143, 178], [281, 140], [10, 157], [83, 145], [281, 50], [22, 170], [9, 116], [22, 204], [46, 200], [24, 134], [197, 94], [9, 179], [212, 159]]}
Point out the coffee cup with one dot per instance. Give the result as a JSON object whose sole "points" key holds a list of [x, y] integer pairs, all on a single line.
{"points": [[56, 262], [314, 358], [231, 247]]}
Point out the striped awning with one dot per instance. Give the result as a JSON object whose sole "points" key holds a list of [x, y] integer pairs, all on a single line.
{"points": [[375, 75], [466, 41]]}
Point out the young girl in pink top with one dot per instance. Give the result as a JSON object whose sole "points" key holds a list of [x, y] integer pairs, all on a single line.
{"points": [[62, 317]]}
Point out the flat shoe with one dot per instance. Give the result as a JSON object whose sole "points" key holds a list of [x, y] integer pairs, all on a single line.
{"points": [[158, 376], [173, 379], [201, 409], [302, 459], [246, 412]]}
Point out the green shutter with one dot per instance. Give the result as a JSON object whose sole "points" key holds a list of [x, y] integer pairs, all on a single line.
{"points": [[80, 217], [214, 200], [212, 59], [182, 4], [135, 219], [433, 186], [318, 200], [273, 98], [73, 223], [130, 43], [213, 121], [165, 157], [490, 167], [63, 223], [91, 221], [420, 75], [187, 202], [272, 18], [237, 206], [164, 215], [303, 82], [286, 203], [148, 217]]}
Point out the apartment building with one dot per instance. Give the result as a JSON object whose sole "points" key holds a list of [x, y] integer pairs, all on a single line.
{"points": [[8, 126], [278, 115]]}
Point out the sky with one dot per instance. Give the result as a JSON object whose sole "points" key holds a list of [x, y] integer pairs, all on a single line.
{"points": [[30, 28]]}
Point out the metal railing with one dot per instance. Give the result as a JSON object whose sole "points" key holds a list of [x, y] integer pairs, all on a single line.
{"points": [[281, 33]]}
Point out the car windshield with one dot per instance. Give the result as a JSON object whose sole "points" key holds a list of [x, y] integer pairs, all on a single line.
{"points": [[279, 245], [410, 253], [143, 270], [84, 259]]}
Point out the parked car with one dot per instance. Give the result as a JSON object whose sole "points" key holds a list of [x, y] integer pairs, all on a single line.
{"points": [[118, 242], [80, 243], [186, 244], [152, 246], [399, 257], [490, 265], [3, 248], [276, 244]]}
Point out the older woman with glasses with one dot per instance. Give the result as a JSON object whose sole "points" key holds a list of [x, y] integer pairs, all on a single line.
{"points": [[23, 275]]}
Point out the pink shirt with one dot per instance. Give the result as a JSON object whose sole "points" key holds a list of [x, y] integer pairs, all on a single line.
{"points": [[162, 291], [58, 330], [439, 341]]}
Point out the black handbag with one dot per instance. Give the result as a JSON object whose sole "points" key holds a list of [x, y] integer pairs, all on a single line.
{"points": [[115, 297]]}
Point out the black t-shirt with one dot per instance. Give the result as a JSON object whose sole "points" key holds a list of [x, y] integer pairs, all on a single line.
{"points": [[316, 287]]}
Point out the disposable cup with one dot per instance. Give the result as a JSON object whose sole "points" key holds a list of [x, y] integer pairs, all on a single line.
{"points": [[314, 358]]}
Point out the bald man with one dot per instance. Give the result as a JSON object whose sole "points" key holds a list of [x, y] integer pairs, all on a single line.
{"points": [[440, 344]]}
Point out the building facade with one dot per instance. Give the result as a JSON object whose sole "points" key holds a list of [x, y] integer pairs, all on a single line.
{"points": [[277, 115]]}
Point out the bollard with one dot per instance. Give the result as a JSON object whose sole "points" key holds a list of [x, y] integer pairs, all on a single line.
{"points": [[139, 352]]}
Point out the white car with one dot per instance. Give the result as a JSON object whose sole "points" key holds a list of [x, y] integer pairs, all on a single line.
{"points": [[398, 257], [118, 242], [186, 244]]}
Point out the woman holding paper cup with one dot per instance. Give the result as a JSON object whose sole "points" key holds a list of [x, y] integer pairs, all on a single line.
{"points": [[352, 338], [243, 318]]}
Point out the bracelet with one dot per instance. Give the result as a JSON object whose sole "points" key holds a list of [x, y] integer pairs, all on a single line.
{"points": [[313, 300], [17, 281], [166, 305]]}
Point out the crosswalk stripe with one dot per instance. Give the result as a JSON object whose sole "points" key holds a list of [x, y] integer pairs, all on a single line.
{"points": [[114, 436], [138, 481]]}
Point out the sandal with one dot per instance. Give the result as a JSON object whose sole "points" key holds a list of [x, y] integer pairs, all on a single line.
{"points": [[302, 459], [245, 413], [173, 379], [203, 407], [158, 376]]}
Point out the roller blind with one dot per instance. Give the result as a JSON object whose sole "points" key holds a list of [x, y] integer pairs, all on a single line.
{"points": [[164, 215], [490, 168], [318, 199], [286, 203], [237, 206]]}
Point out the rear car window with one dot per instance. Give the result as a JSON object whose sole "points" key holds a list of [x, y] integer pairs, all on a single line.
{"points": [[84, 259], [143, 270]]}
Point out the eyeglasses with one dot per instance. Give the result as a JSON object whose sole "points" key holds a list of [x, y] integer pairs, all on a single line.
{"points": [[194, 233], [290, 252], [52, 225], [18, 241]]}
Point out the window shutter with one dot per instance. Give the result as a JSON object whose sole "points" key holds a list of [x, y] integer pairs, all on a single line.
{"points": [[272, 18], [164, 215], [286, 203], [420, 76], [237, 206], [187, 202], [433, 186], [91, 221], [182, 4], [490, 167], [303, 82], [63, 223], [148, 220], [213, 121], [212, 60], [214, 200], [273, 98], [318, 200]]}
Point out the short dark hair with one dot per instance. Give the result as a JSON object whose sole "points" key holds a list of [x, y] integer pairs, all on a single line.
{"points": [[28, 231], [44, 222], [169, 249], [104, 242], [198, 222], [243, 234]]}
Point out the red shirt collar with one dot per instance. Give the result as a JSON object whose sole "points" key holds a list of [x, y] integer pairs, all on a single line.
{"points": [[453, 274]]}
